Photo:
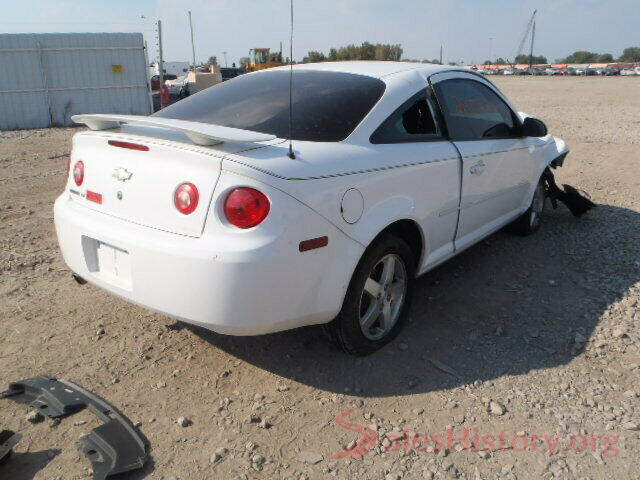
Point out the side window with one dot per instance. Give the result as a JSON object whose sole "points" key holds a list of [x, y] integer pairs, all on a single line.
{"points": [[474, 112], [414, 121]]}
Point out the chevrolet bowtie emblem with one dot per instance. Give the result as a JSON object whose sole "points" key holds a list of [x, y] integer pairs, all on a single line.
{"points": [[122, 174]]}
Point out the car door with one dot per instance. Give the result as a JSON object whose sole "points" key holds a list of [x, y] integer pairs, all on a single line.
{"points": [[497, 167], [413, 135]]}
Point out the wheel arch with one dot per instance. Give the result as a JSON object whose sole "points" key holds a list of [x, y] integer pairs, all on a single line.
{"points": [[409, 231]]}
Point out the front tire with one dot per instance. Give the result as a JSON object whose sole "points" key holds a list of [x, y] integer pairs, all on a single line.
{"points": [[529, 222], [378, 298]]}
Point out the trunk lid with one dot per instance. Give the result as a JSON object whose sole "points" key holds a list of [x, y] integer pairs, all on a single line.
{"points": [[139, 186]]}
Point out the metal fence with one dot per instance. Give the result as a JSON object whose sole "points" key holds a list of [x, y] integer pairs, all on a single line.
{"points": [[47, 78]]}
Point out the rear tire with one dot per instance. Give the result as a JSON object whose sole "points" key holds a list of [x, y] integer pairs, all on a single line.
{"points": [[529, 222], [378, 298]]}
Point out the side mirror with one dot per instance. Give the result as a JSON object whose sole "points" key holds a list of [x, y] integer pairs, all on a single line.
{"points": [[532, 127]]}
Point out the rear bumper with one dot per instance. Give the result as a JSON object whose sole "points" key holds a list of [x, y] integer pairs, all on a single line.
{"points": [[242, 288]]}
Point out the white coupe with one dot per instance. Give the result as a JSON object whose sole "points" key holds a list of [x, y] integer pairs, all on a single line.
{"points": [[202, 212]]}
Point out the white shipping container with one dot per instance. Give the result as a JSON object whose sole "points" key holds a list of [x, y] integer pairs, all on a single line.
{"points": [[47, 78]]}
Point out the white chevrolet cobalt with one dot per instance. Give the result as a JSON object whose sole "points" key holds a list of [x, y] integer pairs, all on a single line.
{"points": [[246, 213]]}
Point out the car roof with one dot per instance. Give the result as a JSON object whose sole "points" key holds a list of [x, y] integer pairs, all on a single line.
{"points": [[372, 68]]}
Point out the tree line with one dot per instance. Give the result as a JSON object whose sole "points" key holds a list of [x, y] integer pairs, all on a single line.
{"points": [[629, 55], [366, 51], [384, 51]]}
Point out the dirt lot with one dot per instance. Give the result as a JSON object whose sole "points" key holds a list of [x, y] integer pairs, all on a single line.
{"points": [[528, 336]]}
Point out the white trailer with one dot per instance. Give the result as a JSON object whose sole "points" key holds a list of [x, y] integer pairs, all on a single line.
{"points": [[176, 68], [47, 78]]}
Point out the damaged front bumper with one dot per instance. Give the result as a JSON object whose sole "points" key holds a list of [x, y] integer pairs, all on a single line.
{"points": [[114, 447]]}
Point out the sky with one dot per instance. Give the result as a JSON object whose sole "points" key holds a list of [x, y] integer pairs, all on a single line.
{"points": [[471, 31]]}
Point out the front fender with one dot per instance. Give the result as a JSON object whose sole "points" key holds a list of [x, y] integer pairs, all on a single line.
{"points": [[553, 149], [552, 153], [549, 151], [557, 152]]}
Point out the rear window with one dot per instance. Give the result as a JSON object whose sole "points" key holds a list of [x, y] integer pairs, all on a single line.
{"points": [[327, 106]]}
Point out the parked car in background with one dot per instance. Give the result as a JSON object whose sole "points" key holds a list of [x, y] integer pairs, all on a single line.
{"points": [[178, 86], [609, 71], [590, 72], [155, 80], [204, 211]]}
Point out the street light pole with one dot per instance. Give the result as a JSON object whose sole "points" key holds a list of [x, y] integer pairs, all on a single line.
{"points": [[161, 69], [193, 46]]}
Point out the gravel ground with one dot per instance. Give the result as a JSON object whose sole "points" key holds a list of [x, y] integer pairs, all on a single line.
{"points": [[527, 336]]}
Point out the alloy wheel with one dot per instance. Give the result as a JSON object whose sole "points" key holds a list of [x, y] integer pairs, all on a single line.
{"points": [[383, 297]]}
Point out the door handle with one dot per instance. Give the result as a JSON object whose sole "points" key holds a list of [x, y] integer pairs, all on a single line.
{"points": [[478, 168]]}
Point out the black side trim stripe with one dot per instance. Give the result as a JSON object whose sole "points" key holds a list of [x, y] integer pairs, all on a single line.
{"points": [[493, 153], [380, 169], [356, 172]]}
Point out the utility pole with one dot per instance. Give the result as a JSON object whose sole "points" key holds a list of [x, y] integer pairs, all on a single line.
{"points": [[146, 61], [161, 72], [440, 54], [193, 46], [533, 37]]}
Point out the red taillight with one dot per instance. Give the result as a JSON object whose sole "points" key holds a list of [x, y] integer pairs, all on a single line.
{"points": [[78, 172], [130, 146], [186, 198], [246, 207]]}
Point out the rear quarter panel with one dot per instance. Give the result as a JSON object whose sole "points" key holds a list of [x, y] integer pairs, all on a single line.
{"points": [[418, 182]]}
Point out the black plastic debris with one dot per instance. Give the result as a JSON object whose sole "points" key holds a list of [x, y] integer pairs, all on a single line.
{"points": [[8, 440], [114, 447], [577, 202]]}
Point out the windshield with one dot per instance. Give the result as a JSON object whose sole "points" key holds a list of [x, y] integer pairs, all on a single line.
{"points": [[327, 106]]}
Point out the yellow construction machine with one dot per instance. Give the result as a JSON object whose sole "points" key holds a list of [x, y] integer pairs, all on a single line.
{"points": [[262, 58]]}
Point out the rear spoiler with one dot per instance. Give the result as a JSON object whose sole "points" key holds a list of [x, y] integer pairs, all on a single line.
{"points": [[199, 133]]}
